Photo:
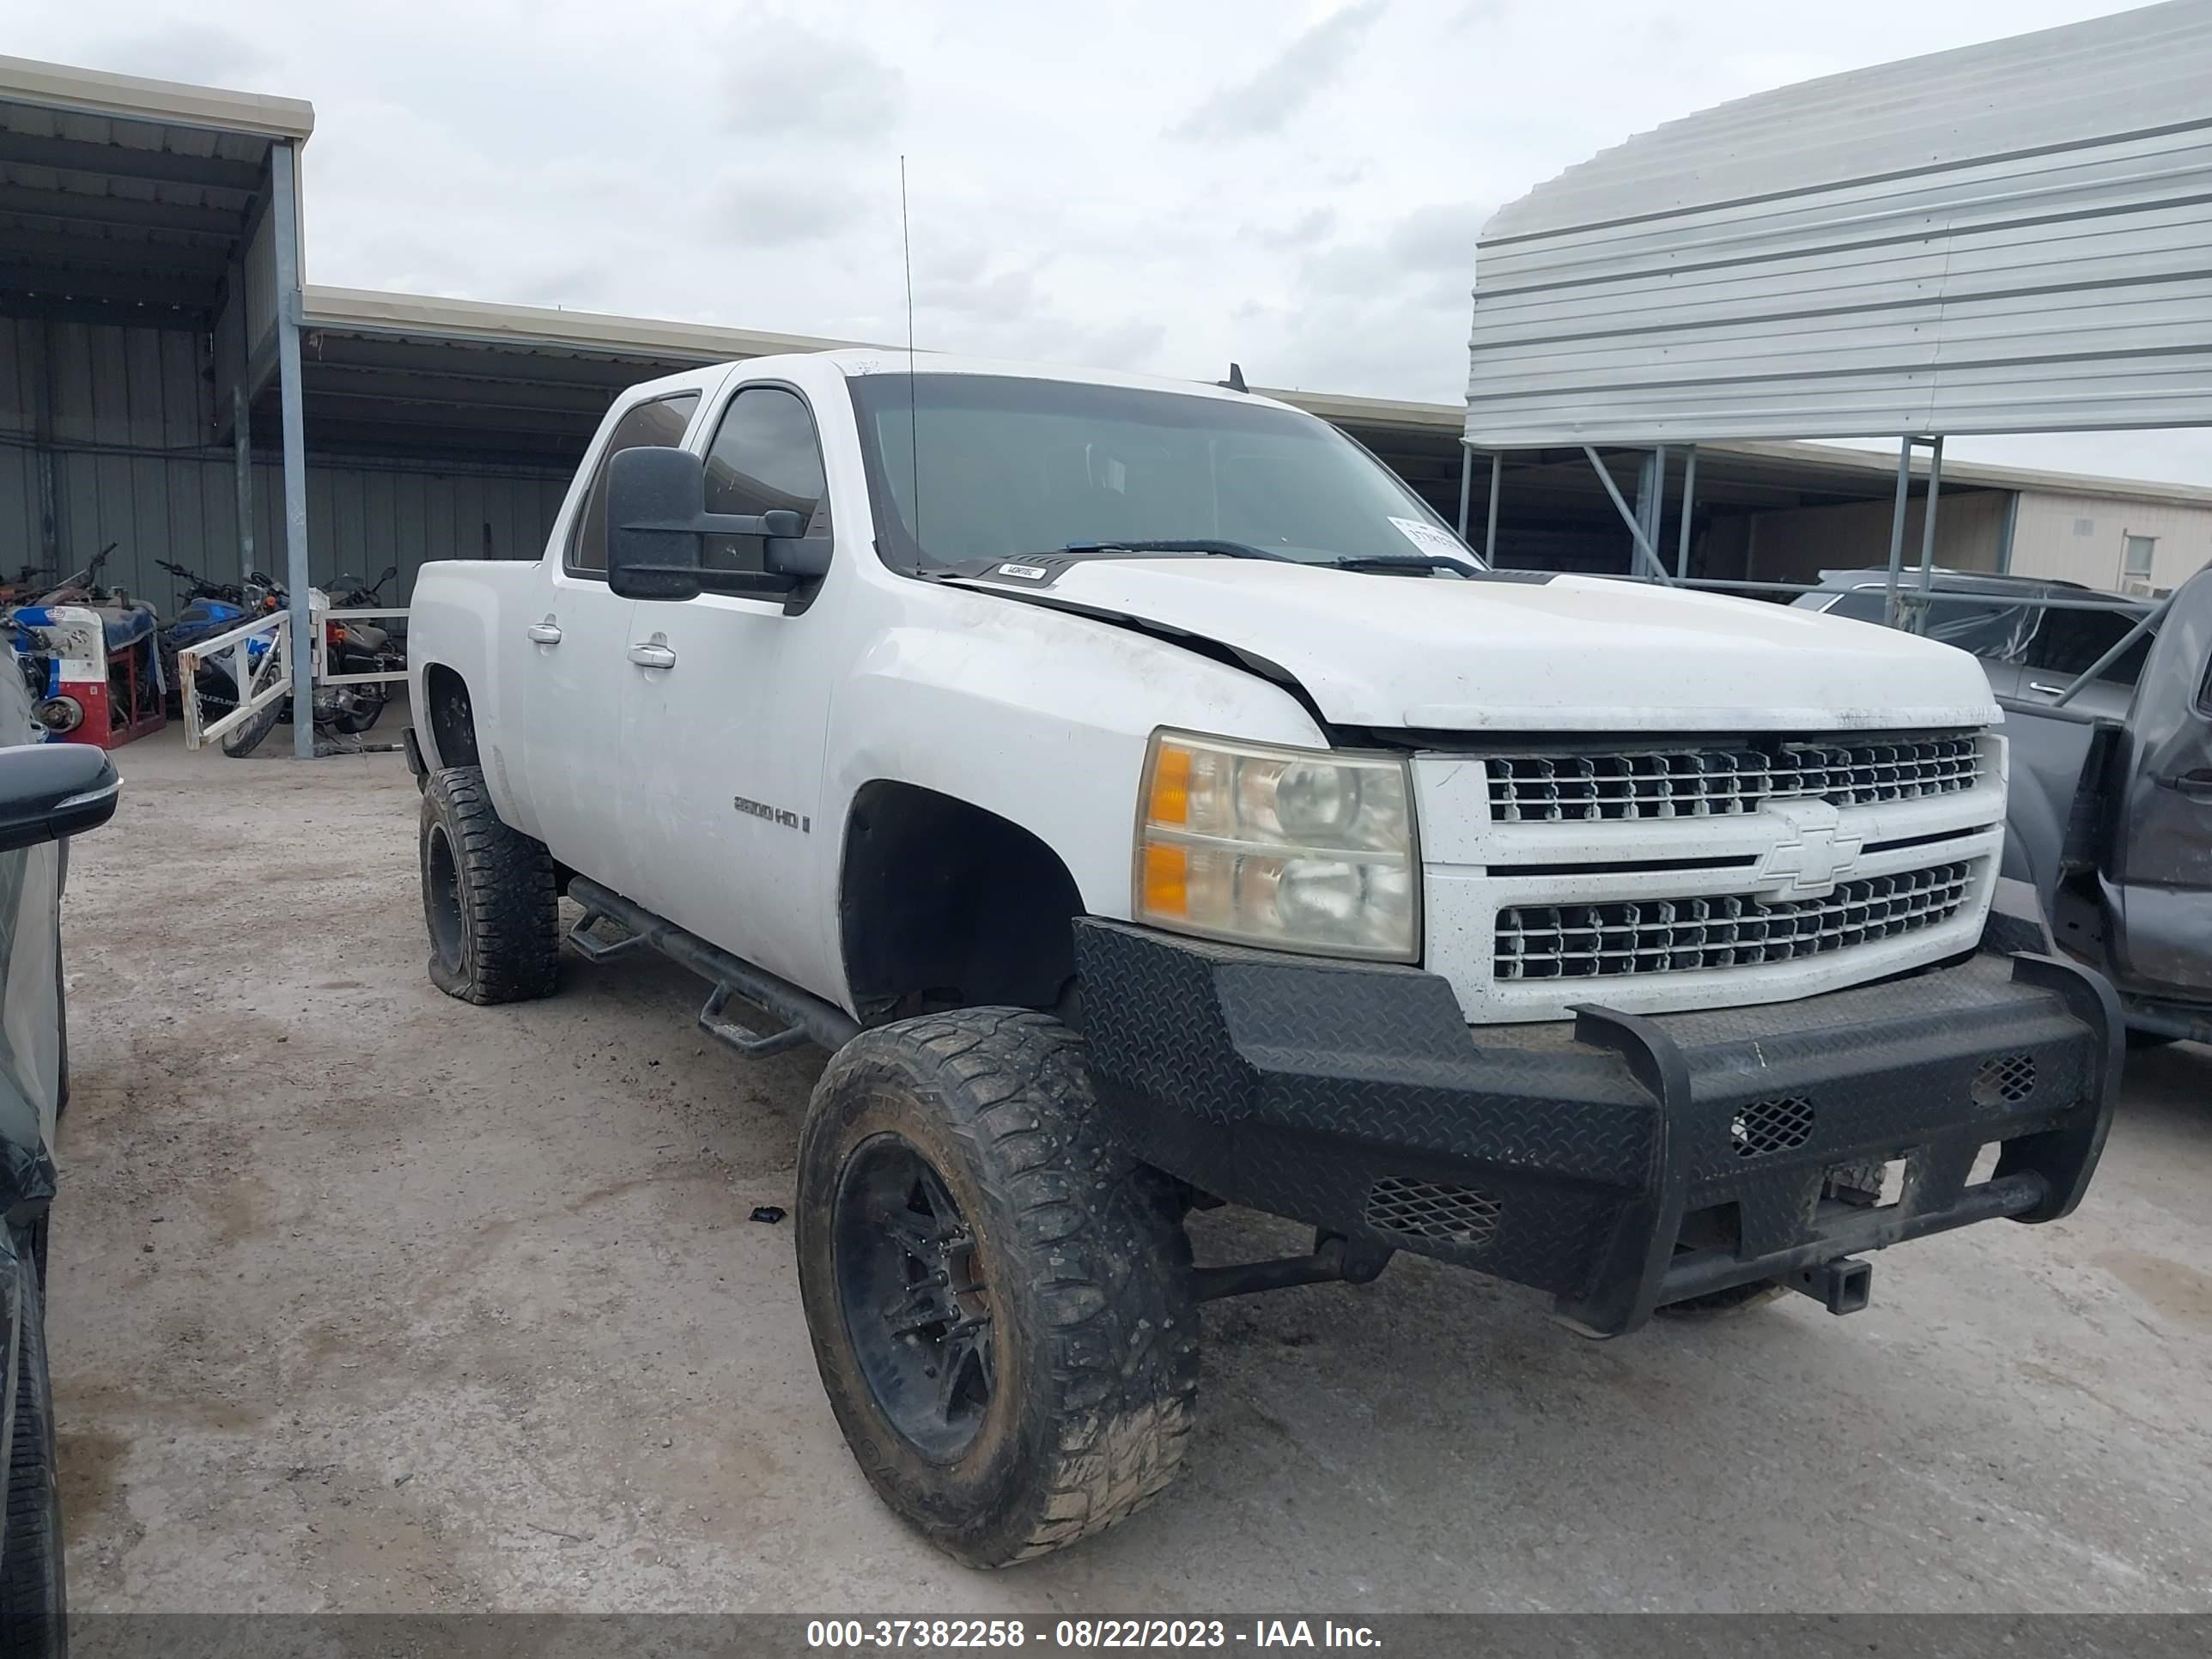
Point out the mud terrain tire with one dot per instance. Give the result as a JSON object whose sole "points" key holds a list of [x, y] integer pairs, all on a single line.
{"points": [[1000, 1299], [488, 896]]}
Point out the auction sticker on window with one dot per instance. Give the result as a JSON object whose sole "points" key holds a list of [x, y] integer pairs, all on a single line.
{"points": [[1432, 540], [1429, 539]]}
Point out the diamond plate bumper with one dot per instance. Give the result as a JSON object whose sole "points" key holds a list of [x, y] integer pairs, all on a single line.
{"points": [[1619, 1162]]}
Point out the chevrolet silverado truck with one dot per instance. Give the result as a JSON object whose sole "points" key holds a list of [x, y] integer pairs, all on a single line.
{"points": [[1150, 803]]}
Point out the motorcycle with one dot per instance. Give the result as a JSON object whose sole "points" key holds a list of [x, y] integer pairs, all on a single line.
{"points": [[350, 648], [210, 608]]}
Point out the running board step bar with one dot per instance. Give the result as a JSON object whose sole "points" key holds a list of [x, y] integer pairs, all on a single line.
{"points": [[806, 1017]]}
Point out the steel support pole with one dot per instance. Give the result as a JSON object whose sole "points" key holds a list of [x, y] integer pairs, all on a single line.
{"points": [[42, 443], [1465, 485], [1892, 608], [241, 435], [283, 202], [1650, 485], [1646, 557], [1658, 508], [1689, 501], [1490, 517], [1927, 522]]}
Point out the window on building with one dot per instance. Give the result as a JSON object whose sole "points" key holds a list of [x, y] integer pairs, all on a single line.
{"points": [[660, 423], [2135, 552]]}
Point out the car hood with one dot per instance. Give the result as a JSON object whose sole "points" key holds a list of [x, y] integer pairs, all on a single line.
{"points": [[1567, 654]]}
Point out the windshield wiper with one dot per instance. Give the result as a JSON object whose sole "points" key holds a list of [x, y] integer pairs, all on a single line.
{"points": [[1405, 562], [1181, 544]]}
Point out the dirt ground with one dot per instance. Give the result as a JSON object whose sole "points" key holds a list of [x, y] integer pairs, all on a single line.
{"points": [[367, 1300]]}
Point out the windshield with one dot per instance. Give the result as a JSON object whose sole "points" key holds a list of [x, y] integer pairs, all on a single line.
{"points": [[1011, 467]]}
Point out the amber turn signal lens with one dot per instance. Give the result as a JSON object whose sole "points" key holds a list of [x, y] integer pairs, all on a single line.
{"points": [[1167, 880], [1170, 800]]}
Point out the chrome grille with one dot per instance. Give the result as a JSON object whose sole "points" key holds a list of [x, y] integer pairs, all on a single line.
{"points": [[1723, 783], [1670, 936]]}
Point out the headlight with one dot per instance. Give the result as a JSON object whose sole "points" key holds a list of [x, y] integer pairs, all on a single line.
{"points": [[1293, 848]]}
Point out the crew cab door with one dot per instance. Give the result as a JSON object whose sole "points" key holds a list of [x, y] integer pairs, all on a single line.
{"points": [[725, 705], [567, 668], [2162, 829]]}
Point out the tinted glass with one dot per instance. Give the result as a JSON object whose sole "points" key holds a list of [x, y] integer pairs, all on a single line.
{"points": [[1012, 466], [660, 423], [1988, 629], [2070, 641], [764, 457]]}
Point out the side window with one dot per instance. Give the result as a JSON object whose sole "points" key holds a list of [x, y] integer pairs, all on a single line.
{"points": [[2072, 641], [764, 456], [660, 423]]}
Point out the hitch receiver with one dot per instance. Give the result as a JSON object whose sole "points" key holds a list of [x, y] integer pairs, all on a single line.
{"points": [[1842, 1286]]}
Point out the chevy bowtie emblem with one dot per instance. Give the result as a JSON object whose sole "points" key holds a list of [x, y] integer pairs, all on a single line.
{"points": [[1811, 863]]}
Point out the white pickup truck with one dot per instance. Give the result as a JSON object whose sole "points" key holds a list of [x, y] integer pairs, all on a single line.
{"points": [[1153, 805]]}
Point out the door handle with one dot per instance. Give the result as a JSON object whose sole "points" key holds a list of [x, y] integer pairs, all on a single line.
{"points": [[2046, 688], [2196, 785], [647, 653], [545, 633]]}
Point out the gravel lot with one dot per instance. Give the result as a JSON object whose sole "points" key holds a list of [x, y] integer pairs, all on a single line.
{"points": [[367, 1300]]}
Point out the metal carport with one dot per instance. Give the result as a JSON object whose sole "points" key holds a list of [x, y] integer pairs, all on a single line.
{"points": [[148, 221]]}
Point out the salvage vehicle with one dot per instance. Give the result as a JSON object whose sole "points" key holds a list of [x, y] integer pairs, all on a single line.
{"points": [[2029, 646], [48, 793], [1150, 802], [2111, 817]]}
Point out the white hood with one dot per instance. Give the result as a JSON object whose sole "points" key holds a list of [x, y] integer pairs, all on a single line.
{"points": [[1573, 654]]}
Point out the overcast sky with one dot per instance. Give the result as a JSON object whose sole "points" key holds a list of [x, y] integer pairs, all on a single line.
{"points": [[1158, 184]]}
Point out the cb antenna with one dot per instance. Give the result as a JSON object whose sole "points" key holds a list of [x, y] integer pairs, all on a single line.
{"points": [[913, 413]]}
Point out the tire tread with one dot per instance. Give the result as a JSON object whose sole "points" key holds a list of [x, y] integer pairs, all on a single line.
{"points": [[1095, 1236], [510, 909]]}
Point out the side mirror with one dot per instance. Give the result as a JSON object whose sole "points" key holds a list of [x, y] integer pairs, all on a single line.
{"points": [[655, 497], [656, 515], [49, 790]]}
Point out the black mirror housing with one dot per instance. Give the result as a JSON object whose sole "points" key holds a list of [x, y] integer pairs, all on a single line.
{"points": [[49, 790], [655, 498], [656, 516]]}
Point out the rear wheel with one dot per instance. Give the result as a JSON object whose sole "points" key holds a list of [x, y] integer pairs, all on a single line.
{"points": [[488, 896], [33, 1597], [1000, 1300]]}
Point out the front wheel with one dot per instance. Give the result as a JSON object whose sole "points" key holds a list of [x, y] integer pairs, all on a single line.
{"points": [[32, 1598], [245, 737], [1000, 1300]]}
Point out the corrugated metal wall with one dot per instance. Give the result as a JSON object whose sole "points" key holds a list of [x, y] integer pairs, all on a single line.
{"points": [[132, 464], [2007, 238]]}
